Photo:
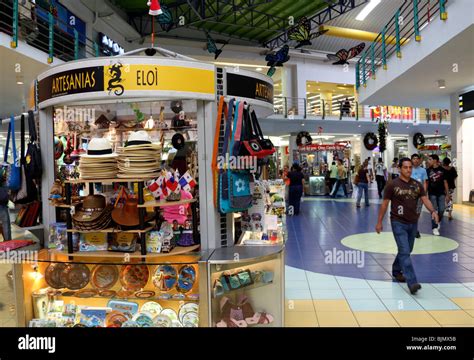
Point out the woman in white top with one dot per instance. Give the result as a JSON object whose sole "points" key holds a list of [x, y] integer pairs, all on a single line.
{"points": [[394, 170]]}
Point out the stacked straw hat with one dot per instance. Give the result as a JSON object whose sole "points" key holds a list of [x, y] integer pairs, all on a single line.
{"points": [[139, 158], [100, 162]]}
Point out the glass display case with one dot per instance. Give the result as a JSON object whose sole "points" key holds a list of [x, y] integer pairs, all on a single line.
{"points": [[317, 185], [88, 290], [246, 286]]}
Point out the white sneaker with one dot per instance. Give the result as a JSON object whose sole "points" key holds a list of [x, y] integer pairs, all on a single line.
{"points": [[436, 231]]}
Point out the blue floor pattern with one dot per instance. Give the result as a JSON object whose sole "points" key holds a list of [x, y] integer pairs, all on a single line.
{"points": [[324, 222]]}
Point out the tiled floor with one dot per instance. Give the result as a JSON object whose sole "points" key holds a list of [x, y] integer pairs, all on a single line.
{"points": [[321, 291]]}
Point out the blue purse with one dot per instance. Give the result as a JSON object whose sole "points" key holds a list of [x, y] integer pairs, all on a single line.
{"points": [[234, 186]]}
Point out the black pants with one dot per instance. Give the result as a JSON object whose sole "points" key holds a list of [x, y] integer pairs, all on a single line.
{"points": [[332, 181], [295, 193], [338, 184], [380, 184]]}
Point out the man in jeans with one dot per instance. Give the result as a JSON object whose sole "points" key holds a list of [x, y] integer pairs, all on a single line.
{"points": [[341, 179], [419, 174], [403, 193], [438, 189]]}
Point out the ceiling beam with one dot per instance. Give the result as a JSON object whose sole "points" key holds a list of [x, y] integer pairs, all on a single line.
{"points": [[331, 12]]}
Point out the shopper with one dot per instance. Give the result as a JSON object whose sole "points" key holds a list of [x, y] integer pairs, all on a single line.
{"points": [[380, 170], [363, 183], [5, 214], [341, 179], [370, 167], [419, 174], [295, 189], [332, 175], [403, 194], [394, 170], [438, 189], [346, 108], [451, 176]]}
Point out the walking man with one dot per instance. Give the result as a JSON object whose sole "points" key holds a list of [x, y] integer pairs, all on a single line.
{"points": [[438, 189], [403, 194], [419, 174], [380, 170], [341, 179]]}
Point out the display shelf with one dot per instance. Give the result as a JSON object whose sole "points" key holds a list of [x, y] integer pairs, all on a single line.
{"points": [[107, 181], [179, 250], [134, 298], [164, 203], [112, 230], [147, 130], [65, 206], [245, 288], [29, 228]]}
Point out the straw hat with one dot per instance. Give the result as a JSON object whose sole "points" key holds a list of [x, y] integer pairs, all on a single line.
{"points": [[92, 214], [99, 148], [128, 214]]}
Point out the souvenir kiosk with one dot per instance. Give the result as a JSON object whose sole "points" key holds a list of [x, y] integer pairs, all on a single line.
{"points": [[105, 268]]}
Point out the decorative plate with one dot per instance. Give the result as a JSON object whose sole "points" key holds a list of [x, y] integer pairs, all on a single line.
{"points": [[134, 277], [194, 297], [86, 293], [68, 293], [162, 321], [165, 277], [107, 293], [53, 275], [191, 319], [104, 276], [124, 294], [186, 278], [164, 297], [145, 294], [143, 319], [176, 324], [170, 313], [187, 308], [152, 307], [75, 276], [130, 324], [115, 319]]}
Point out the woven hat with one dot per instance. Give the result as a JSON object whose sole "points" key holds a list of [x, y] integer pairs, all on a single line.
{"points": [[92, 214], [99, 148], [128, 214]]}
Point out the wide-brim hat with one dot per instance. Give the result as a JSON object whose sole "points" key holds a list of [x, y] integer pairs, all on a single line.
{"points": [[92, 213], [99, 148], [128, 214]]}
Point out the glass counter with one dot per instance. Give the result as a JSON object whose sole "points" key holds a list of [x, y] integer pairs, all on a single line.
{"points": [[246, 286]]}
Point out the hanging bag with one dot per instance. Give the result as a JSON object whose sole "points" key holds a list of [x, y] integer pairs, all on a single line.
{"points": [[22, 195], [221, 113], [13, 175], [239, 181], [254, 143], [224, 205]]}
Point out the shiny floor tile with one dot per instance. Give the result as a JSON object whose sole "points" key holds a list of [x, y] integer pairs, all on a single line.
{"points": [[401, 304], [457, 292], [452, 317], [299, 305], [301, 319], [326, 294], [366, 305], [437, 304], [331, 305], [337, 319], [414, 318], [375, 319], [295, 294], [464, 303]]}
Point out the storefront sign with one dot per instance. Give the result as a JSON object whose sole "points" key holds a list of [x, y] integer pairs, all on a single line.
{"points": [[466, 102], [392, 113], [109, 46], [322, 147], [128, 77], [75, 81], [239, 85]]}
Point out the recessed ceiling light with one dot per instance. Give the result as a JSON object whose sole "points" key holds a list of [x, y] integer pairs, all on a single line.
{"points": [[259, 69], [441, 84], [367, 9], [19, 82], [302, 124], [319, 89]]}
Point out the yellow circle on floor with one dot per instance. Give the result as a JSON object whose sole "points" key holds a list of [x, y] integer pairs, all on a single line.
{"points": [[385, 243]]}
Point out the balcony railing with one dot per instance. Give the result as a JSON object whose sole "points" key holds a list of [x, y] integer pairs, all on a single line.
{"points": [[301, 108], [407, 23], [38, 27]]}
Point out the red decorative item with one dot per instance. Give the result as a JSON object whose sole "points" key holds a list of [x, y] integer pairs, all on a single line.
{"points": [[14, 244], [155, 8]]}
